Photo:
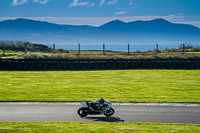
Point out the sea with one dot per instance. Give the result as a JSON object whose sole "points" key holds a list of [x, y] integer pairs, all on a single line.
{"points": [[120, 48]]}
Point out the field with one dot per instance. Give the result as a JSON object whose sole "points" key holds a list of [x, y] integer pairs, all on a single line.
{"points": [[98, 55], [116, 86], [81, 127]]}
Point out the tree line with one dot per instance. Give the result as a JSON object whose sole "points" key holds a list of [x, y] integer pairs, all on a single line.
{"points": [[27, 46]]}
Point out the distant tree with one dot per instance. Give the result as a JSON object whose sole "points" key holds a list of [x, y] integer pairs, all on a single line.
{"points": [[32, 47]]}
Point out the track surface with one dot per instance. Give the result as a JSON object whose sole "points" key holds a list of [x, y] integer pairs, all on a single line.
{"points": [[123, 113]]}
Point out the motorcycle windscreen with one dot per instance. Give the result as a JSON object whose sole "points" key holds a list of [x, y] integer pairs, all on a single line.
{"points": [[84, 104]]}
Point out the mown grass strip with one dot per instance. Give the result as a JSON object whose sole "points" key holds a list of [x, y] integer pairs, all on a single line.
{"points": [[83, 127], [117, 86]]}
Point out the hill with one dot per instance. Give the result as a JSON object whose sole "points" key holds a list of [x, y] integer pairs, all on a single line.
{"points": [[114, 32]]}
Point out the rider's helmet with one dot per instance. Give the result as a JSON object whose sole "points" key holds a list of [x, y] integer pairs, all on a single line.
{"points": [[101, 101]]}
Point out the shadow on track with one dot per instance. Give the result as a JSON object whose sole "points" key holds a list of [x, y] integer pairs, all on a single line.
{"points": [[105, 119]]}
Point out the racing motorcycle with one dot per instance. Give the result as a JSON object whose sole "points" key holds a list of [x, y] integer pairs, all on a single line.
{"points": [[106, 109]]}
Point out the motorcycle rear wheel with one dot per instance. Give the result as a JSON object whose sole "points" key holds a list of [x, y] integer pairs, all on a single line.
{"points": [[109, 112], [83, 112]]}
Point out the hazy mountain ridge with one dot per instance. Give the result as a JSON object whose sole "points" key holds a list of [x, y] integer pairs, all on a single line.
{"points": [[158, 30]]}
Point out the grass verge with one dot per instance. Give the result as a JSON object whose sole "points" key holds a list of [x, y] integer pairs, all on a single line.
{"points": [[117, 85], [98, 55], [83, 127]]}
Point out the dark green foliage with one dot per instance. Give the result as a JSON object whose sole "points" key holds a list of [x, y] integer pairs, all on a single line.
{"points": [[20, 46], [31, 47]]}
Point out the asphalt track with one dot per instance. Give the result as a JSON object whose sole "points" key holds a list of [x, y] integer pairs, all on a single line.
{"points": [[123, 113]]}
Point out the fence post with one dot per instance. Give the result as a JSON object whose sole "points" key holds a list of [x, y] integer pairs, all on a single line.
{"points": [[54, 48], [183, 47], [25, 47], [4, 49], [157, 47], [79, 48], [104, 49], [128, 49]]}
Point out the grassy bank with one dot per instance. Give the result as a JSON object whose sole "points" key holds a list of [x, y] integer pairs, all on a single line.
{"points": [[97, 55], [117, 86], [10, 54], [68, 127]]}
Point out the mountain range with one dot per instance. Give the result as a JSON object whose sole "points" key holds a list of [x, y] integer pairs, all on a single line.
{"points": [[114, 32]]}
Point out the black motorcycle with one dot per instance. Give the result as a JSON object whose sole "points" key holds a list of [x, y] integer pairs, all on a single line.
{"points": [[107, 110]]}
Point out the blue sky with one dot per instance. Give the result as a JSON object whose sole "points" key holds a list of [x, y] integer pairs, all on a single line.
{"points": [[97, 12]]}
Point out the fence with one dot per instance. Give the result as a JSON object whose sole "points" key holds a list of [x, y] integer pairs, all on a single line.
{"points": [[119, 49], [99, 49]]}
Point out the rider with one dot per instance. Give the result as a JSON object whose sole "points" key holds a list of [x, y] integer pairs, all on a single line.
{"points": [[97, 104]]}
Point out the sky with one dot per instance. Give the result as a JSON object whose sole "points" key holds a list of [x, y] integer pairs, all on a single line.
{"points": [[98, 12]]}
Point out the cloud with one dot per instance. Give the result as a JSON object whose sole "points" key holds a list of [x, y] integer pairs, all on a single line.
{"points": [[130, 2], [18, 2], [93, 4], [77, 3], [102, 2], [83, 3], [120, 13], [112, 2], [74, 3], [41, 1]]}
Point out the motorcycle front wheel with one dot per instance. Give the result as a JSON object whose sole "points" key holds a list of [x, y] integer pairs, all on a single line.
{"points": [[82, 112], [109, 112]]}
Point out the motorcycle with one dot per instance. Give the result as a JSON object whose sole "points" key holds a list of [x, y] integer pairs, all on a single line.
{"points": [[106, 109]]}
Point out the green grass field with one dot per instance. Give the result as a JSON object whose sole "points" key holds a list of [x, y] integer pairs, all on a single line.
{"points": [[83, 127], [116, 86]]}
